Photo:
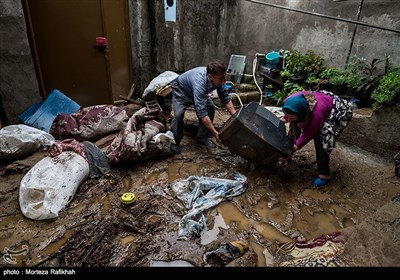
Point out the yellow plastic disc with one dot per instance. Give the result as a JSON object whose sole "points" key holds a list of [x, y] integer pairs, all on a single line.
{"points": [[128, 198]]}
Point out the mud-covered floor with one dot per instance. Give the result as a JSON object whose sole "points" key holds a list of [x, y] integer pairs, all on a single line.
{"points": [[279, 205]]}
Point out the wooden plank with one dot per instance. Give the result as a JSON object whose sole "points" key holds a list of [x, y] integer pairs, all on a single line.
{"points": [[131, 91]]}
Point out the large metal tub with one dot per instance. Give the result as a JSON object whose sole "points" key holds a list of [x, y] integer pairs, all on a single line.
{"points": [[256, 134]]}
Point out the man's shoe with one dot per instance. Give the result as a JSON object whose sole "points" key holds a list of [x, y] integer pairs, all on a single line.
{"points": [[175, 148], [206, 142]]}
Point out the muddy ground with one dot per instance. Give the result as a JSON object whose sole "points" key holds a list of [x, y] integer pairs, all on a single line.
{"points": [[279, 205]]}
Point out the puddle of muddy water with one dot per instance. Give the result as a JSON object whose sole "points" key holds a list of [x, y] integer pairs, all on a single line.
{"points": [[210, 235]]}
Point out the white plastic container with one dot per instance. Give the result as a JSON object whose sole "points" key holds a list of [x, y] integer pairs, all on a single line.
{"points": [[51, 184]]}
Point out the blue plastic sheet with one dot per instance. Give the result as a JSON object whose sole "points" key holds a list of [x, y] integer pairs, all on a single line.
{"points": [[41, 115]]}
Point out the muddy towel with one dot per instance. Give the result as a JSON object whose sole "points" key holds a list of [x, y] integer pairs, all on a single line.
{"points": [[202, 193]]}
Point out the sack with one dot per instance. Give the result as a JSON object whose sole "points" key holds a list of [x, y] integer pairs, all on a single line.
{"points": [[51, 184], [17, 141]]}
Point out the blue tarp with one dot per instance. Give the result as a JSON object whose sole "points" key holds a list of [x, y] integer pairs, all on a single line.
{"points": [[41, 115]]}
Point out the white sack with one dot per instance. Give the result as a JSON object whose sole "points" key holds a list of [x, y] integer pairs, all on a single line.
{"points": [[51, 184], [20, 140]]}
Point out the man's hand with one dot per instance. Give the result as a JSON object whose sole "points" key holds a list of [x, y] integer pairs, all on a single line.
{"points": [[216, 136]]}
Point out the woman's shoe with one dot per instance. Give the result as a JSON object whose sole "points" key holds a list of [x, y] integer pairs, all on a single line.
{"points": [[319, 182]]}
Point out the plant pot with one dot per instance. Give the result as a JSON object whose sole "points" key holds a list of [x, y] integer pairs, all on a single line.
{"points": [[365, 98], [312, 86], [350, 91], [339, 89], [297, 79], [325, 86]]}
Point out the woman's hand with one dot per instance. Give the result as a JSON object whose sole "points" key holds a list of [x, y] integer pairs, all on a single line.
{"points": [[286, 160]]}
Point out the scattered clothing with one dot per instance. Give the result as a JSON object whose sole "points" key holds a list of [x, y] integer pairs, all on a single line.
{"points": [[200, 194]]}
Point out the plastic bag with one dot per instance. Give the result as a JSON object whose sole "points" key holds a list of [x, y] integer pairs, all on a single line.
{"points": [[51, 184], [17, 141]]}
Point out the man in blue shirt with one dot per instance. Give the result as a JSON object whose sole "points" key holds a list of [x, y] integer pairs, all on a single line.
{"points": [[195, 87]]}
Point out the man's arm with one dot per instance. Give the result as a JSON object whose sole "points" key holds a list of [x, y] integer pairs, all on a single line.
{"points": [[229, 106], [208, 123]]}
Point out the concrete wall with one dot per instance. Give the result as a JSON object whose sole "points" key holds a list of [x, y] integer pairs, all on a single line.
{"points": [[18, 83], [375, 131], [208, 29]]}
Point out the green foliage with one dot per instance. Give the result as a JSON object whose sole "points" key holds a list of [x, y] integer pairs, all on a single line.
{"points": [[288, 89], [339, 79], [354, 80], [329, 73], [299, 64], [313, 79], [355, 65], [278, 97], [387, 90], [285, 74], [315, 64]]}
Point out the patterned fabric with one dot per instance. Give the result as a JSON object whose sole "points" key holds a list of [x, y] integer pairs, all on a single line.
{"points": [[340, 117], [90, 123], [131, 143], [322, 251], [67, 145]]}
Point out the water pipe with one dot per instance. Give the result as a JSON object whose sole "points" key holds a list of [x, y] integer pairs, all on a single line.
{"points": [[237, 95], [254, 73]]}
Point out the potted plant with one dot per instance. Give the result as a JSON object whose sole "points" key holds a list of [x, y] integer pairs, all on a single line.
{"points": [[387, 91], [325, 77], [295, 65], [302, 65], [314, 64], [354, 82], [313, 82], [371, 80], [338, 83], [288, 89]]}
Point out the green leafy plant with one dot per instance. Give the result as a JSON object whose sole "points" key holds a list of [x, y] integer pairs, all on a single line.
{"points": [[285, 74], [329, 73], [355, 65], [313, 79], [278, 97], [354, 80], [314, 64], [339, 79], [388, 89], [305, 64], [295, 63], [288, 89]]}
